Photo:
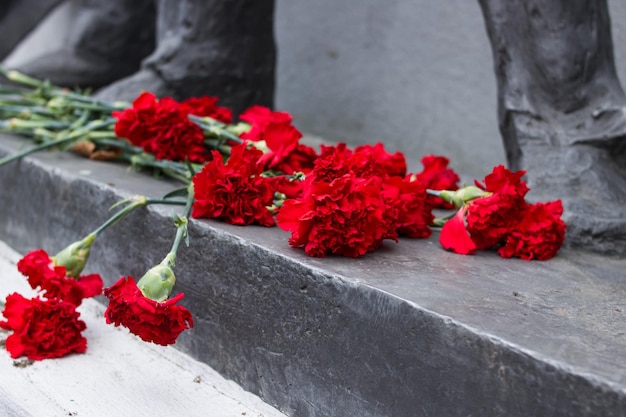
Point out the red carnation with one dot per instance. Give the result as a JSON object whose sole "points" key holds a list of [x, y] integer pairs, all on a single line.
{"points": [[234, 192], [539, 235], [206, 106], [259, 118], [380, 161], [345, 217], [333, 162], [161, 127], [152, 321], [410, 213], [488, 219], [365, 161], [437, 176], [41, 272], [285, 153], [42, 329]]}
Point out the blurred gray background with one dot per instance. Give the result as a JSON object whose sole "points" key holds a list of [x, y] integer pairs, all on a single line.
{"points": [[414, 74]]}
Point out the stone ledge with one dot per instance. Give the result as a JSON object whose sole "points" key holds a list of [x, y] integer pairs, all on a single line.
{"points": [[410, 330]]}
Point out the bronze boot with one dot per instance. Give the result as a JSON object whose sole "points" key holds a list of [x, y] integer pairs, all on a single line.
{"points": [[222, 48], [107, 41]]}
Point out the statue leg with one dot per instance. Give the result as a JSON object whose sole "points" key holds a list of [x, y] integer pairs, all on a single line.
{"points": [[223, 48], [18, 18], [107, 41], [562, 111]]}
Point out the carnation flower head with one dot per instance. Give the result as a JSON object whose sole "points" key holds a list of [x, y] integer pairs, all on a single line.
{"points": [[42, 329], [539, 235], [490, 211], [408, 209], [379, 161], [491, 217], [437, 176], [162, 128], [365, 161], [206, 106], [159, 322], [42, 272], [346, 216], [234, 192], [259, 118], [283, 152]]}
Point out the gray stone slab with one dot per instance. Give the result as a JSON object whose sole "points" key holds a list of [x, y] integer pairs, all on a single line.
{"points": [[410, 330]]}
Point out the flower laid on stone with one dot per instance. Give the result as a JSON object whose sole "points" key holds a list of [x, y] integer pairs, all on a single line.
{"points": [[42, 328], [496, 215], [437, 176], [234, 191], [353, 200], [160, 322], [162, 127], [54, 279], [145, 308]]}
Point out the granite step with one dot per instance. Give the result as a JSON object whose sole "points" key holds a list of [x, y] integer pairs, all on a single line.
{"points": [[410, 330]]}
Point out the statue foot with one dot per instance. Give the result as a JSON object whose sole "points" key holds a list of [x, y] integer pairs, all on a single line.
{"points": [[128, 88], [107, 41], [203, 49], [67, 68], [233, 93], [591, 182]]}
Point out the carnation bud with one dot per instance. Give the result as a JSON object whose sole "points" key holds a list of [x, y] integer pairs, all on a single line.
{"points": [[463, 195], [158, 282], [74, 257]]}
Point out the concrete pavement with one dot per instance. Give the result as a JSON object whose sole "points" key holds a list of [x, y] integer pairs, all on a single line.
{"points": [[119, 375]]}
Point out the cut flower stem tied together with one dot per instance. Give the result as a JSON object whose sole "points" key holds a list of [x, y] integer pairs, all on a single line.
{"points": [[335, 201]]}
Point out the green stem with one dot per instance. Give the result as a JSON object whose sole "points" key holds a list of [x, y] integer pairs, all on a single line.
{"points": [[165, 202], [91, 101], [68, 139], [181, 229], [19, 124], [140, 201], [215, 127], [25, 110], [18, 77], [45, 145], [440, 221], [433, 192], [104, 135]]}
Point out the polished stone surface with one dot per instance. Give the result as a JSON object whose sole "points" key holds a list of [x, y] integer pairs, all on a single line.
{"points": [[408, 330]]}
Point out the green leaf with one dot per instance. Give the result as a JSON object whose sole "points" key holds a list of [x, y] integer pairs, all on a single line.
{"points": [[180, 192]]}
